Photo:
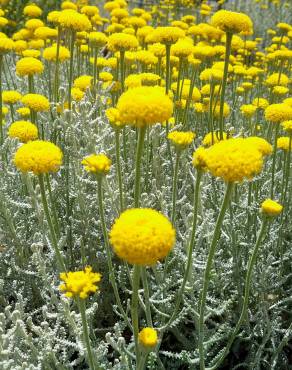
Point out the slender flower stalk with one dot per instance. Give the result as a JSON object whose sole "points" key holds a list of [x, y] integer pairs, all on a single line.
{"points": [[118, 164], [207, 273], [134, 308], [224, 81], [72, 43], [139, 153], [61, 263]]}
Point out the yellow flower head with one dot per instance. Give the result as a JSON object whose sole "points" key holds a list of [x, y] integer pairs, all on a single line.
{"points": [[283, 143], [142, 236], [32, 11], [97, 39], [23, 111], [248, 110], [122, 42], [6, 45], [146, 105], [148, 337], [278, 113], [271, 208], [261, 144], [77, 94], [275, 79], [23, 130], [260, 103], [36, 102], [287, 126], [180, 139], [50, 53], [38, 157], [29, 66], [167, 35], [73, 20], [113, 117], [80, 284], [232, 22], [97, 163], [83, 82], [11, 97], [234, 160]]}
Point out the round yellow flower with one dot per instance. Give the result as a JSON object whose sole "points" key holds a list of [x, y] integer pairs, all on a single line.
{"points": [[167, 35], [142, 236], [38, 157], [6, 45], [83, 82], [248, 110], [287, 126], [283, 143], [271, 208], [232, 22], [23, 111], [50, 53], [122, 42], [180, 139], [80, 284], [36, 102], [97, 39], [148, 337], [278, 113], [261, 144], [97, 163], [260, 103], [11, 97], [33, 24], [77, 94], [23, 130], [32, 11], [146, 105], [274, 80], [234, 160], [73, 20], [29, 66]]}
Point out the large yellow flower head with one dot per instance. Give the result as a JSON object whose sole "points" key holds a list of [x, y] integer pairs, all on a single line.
{"points": [[29, 66], [122, 42], [142, 236], [45, 33], [232, 22], [148, 337], [36, 102], [11, 97], [32, 11], [23, 130], [271, 208], [79, 284], [276, 79], [97, 39], [6, 45], [181, 139], [146, 105], [284, 142], [278, 113], [83, 82], [50, 53], [234, 160], [261, 144], [38, 157], [167, 35], [73, 20], [212, 138], [97, 163]]}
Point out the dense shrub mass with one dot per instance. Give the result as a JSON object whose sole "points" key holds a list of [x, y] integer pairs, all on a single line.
{"points": [[145, 174]]}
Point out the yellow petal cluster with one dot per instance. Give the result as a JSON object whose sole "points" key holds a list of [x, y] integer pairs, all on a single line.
{"points": [[80, 284], [142, 236]]}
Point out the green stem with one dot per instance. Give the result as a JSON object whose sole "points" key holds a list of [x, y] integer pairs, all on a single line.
{"points": [[274, 161], [174, 186], [1, 102], [250, 266], [71, 69], [146, 296], [225, 74], [122, 65], [56, 83], [167, 76], [207, 273], [139, 152], [134, 309], [108, 251], [81, 305], [119, 173], [60, 259]]}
